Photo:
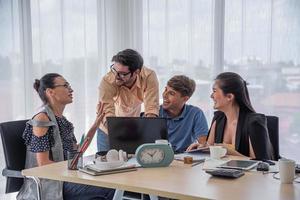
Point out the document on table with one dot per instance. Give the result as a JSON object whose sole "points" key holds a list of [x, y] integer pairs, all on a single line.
{"points": [[92, 169], [196, 156], [211, 163]]}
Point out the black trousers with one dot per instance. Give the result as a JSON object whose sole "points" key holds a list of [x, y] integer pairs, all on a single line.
{"points": [[74, 191]]}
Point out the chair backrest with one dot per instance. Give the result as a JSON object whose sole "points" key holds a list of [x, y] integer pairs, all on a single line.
{"points": [[273, 129], [14, 151]]}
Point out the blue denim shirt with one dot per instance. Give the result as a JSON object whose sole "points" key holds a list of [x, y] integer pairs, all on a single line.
{"points": [[186, 128]]}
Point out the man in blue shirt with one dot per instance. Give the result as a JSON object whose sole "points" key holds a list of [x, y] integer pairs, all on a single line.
{"points": [[186, 123]]}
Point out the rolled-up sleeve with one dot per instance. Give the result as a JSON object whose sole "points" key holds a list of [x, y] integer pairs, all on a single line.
{"points": [[151, 95], [106, 95]]}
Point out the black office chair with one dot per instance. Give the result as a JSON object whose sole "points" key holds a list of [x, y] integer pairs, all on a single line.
{"points": [[14, 153], [273, 129]]}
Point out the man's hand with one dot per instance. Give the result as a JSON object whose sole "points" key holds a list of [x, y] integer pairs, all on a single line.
{"points": [[195, 146], [201, 142], [150, 115], [192, 146]]}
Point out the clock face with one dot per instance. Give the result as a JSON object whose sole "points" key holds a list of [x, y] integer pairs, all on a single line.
{"points": [[152, 155]]}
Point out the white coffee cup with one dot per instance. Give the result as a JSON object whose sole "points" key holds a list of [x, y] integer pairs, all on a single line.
{"points": [[287, 170], [161, 141], [217, 152]]}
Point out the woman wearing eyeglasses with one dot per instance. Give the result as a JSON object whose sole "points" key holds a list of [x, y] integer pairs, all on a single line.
{"points": [[236, 126], [49, 135]]}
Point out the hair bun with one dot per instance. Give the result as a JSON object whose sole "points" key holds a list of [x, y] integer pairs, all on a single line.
{"points": [[36, 84]]}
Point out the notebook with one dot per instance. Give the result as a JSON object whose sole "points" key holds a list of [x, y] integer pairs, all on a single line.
{"points": [[93, 170]]}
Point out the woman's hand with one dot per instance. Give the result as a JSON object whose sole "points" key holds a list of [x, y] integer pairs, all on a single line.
{"points": [[100, 114]]}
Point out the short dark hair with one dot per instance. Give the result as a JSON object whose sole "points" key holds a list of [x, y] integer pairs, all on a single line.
{"points": [[130, 58], [230, 82], [47, 81], [182, 84]]}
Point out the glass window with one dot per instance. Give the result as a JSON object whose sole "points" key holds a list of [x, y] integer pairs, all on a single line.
{"points": [[178, 40], [262, 44]]}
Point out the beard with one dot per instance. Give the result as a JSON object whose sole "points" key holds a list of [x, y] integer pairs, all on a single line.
{"points": [[126, 83], [120, 82]]}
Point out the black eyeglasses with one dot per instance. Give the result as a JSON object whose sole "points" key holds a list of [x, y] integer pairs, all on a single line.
{"points": [[116, 73], [66, 85]]}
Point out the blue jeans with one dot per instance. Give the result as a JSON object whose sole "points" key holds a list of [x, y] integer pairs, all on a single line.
{"points": [[102, 141], [86, 192]]}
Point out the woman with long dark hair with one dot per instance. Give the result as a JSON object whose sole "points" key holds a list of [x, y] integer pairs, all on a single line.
{"points": [[236, 126]]}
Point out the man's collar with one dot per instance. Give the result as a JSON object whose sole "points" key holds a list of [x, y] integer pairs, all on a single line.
{"points": [[138, 80], [181, 116], [136, 84]]}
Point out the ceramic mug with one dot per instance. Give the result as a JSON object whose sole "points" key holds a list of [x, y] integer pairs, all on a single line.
{"points": [[286, 170], [217, 152]]}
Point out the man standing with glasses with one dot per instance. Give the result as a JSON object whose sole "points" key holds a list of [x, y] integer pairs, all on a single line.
{"points": [[123, 90]]}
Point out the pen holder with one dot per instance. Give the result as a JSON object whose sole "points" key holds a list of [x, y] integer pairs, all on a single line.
{"points": [[74, 160]]}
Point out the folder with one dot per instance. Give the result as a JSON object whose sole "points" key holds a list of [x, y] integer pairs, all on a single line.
{"points": [[93, 170]]}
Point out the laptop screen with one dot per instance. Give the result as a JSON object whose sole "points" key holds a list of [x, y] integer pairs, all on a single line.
{"points": [[127, 133]]}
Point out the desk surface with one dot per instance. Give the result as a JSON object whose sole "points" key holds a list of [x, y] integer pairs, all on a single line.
{"points": [[179, 181]]}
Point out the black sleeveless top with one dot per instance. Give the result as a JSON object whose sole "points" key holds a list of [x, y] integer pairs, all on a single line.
{"points": [[250, 125]]}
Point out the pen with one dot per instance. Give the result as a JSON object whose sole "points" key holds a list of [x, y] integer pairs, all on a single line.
{"points": [[80, 152], [81, 140], [198, 162]]}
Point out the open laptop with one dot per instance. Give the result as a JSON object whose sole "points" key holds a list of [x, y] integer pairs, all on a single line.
{"points": [[127, 133]]}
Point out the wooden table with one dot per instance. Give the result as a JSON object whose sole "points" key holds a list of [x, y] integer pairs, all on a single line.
{"points": [[178, 181]]}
